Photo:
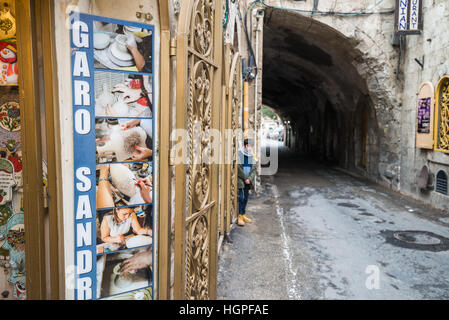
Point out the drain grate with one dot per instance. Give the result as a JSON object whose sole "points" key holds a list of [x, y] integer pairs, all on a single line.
{"points": [[416, 239]]}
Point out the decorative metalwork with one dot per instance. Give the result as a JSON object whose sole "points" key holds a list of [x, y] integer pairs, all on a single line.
{"points": [[198, 259], [235, 105], [443, 116], [199, 121], [202, 27]]}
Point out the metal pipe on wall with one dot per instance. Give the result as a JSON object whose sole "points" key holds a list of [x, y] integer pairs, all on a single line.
{"points": [[245, 110]]}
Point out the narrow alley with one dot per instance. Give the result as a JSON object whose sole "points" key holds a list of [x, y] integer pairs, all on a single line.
{"points": [[319, 233]]}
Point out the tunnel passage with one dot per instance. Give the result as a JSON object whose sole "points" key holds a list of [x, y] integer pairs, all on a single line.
{"points": [[309, 78]]}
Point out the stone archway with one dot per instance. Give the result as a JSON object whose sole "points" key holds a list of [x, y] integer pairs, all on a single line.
{"points": [[324, 78]]}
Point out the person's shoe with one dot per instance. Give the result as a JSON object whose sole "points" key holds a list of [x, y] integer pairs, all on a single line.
{"points": [[246, 219], [240, 220]]}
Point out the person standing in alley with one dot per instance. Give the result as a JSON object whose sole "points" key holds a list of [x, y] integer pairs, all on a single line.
{"points": [[247, 166]]}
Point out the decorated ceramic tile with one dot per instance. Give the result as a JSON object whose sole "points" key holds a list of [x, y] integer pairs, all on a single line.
{"points": [[7, 24], [8, 63], [5, 214], [7, 180], [15, 243], [10, 116], [9, 120]]}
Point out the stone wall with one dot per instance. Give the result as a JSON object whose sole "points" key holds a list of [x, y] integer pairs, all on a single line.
{"points": [[392, 78], [432, 47]]}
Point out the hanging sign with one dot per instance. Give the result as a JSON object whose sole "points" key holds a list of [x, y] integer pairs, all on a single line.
{"points": [[425, 113], [112, 81], [408, 17]]}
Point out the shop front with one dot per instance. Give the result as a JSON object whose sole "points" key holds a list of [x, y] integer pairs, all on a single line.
{"points": [[79, 155], [94, 203]]}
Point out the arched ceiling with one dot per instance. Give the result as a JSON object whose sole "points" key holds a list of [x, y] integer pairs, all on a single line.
{"points": [[306, 60]]}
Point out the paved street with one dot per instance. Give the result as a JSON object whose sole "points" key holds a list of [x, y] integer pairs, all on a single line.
{"points": [[319, 233]]}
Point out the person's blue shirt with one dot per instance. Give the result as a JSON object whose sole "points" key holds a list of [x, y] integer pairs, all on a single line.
{"points": [[246, 165]]}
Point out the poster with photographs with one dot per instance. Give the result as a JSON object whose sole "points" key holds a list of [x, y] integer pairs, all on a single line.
{"points": [[113, 146]]}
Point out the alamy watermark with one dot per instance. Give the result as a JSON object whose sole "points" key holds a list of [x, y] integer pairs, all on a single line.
{"points": [[212, 146], [372, 282]]}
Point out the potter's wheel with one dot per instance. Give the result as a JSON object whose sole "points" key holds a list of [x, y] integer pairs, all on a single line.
{"points": [[111, 285], [122, 63], [102, 56]]}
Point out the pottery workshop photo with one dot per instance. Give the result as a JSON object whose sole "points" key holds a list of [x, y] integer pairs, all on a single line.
{"points": [[123, 140], [121, 184], [123, 95], [122, 47], [124, 228], [124, 271]]}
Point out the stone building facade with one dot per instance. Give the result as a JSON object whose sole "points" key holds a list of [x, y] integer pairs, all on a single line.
{"points": [[353, 85]]}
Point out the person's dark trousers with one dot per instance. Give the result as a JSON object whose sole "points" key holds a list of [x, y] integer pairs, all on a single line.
{"points": [[243, 199]]}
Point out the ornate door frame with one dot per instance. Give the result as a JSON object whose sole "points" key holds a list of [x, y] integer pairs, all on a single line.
{"points": [[198, 102], [232, 106]]}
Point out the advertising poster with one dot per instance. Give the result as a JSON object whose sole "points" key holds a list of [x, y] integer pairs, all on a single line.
{"points": [[424, 115], [112, 79]]}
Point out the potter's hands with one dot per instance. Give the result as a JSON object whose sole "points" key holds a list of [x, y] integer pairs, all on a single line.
{"points": [[140, 260], [131, 124], [142, 153], [129, 95], [145, 187], [120, 239], [104, 171], [131, 42]]}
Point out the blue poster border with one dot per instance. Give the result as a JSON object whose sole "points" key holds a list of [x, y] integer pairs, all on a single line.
{"points": [[84, 148]]}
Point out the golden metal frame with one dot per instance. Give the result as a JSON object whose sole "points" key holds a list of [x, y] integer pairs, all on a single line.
{"points": [[231, 106], [164, 214], [34, 39], [198, 97], [442, 115]]}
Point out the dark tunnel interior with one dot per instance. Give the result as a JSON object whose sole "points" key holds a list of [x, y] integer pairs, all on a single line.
{"points": [[309, 78]]}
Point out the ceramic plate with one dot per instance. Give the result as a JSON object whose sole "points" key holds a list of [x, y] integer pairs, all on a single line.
{"points": [[101, 40], [138, 241], [117, 53], [10, 116], [118, 62]]}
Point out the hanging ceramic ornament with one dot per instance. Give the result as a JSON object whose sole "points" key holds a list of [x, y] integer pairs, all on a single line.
{"points": [[8, 63], [7, 24], [7, 180]]}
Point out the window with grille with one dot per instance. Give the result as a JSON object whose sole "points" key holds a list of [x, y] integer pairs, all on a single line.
{"points": [[441, 182], [442, 116]]}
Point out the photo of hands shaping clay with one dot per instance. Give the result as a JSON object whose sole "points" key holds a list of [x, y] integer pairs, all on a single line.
{"points": [[121, 185], [124, 140], [124, 228], [123, 95], [122, 47], [124, 271]]}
